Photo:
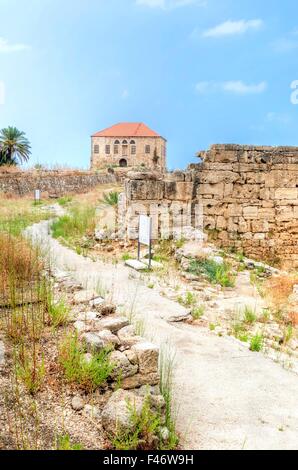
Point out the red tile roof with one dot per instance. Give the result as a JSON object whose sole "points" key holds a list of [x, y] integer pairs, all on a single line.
{"points": [[127, 129]]}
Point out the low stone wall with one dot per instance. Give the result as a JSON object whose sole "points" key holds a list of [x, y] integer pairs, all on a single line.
{"points": [[54, 183], [244, 197]]}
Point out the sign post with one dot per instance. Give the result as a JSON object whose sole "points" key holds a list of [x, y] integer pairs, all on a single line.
{"points": [[37, 195], [145, 235]]}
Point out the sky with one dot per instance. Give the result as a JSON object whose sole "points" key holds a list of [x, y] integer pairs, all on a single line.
{"points": [[198, 72]]}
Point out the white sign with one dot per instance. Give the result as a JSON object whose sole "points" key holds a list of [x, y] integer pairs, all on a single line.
{"points": [[37, 195], [145, 228]]}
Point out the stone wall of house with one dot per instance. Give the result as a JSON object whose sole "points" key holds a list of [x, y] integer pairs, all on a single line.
{"points": [[54, 183], [248, 197], [101, 159]]}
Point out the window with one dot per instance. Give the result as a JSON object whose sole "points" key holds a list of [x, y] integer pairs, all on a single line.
{"points": [[124, 142], [125, 150], [147, 149], [133, 149], [132, 142], [117, 142], [116, 149], [108, 149], [96, 148]]}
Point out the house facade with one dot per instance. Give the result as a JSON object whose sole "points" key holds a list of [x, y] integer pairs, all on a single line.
{"points": [[131, 145]]}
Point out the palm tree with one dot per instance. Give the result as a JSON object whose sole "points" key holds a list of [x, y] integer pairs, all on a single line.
{"points": [[14, 146]]}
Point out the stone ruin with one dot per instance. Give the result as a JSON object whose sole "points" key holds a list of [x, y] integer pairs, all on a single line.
{"points": [[244, 198]]}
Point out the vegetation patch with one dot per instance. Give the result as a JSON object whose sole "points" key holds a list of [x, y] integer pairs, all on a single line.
{"points": [[216, 273]]}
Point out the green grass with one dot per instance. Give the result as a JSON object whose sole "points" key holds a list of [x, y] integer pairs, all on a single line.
{"points": [[63, 201], [59, 313], [216, 273], [88, 375], [79, 222], [198, 312], [111, 198], [188, 300], [126, 256], [16, 223], [256, 343], [64, 443], [250, 316], [144, 426]]}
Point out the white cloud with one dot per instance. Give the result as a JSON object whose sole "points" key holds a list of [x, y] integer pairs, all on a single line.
{"points": [[230, 28], [241, 88], [6, 47], [237, 87], [169, 4], [2, 93]]}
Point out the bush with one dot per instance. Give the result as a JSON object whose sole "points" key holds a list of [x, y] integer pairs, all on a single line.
{"points": [[111, 199], [79, 222], [256, 343], [87, 374], [215, 272]]}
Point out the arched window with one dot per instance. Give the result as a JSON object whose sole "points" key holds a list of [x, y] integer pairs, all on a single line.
{"points": [[132, 142], [124, 142], [117, 142]]}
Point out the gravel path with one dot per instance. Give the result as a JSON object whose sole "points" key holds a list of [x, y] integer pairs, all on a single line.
{"points": [[226, 396]]}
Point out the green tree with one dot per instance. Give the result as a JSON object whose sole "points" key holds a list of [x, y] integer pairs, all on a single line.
{"points": [[14, 146]]}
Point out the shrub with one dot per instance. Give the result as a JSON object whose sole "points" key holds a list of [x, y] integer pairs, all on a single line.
{"points": [[87, 374], [79, 222], [256, 343], [59, 312], [198, 312], [216, 273], [64, 443], [63, 201], [144, 427], [111, 198], [29, 368], [250, 316]]}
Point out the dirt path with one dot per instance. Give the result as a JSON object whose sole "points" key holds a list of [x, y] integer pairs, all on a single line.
{"points": [[227, 396]]}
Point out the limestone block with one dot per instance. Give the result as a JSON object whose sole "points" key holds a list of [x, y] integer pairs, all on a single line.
{"points": [[113, 324], [267, 214], [116, 415], [138, 380], [122, 367], [216, 190], [286, 193], [147, 354], [259, 226], [228, 189], [93, 342], [250, 212], [221, 223], [108, 338], [234, 210]]}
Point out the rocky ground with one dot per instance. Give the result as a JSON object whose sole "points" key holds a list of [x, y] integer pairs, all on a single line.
{"points": [[227, 396], [66, 415]]}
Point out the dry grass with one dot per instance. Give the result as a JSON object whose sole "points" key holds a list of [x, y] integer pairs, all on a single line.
{"points": [[279, 289]]}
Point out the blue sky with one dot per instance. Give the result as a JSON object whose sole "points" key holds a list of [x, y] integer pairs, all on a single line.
{"points": [[199, 72]]}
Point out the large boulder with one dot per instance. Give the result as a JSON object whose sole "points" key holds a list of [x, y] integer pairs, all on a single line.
{"points": [[147, 354], [93, 342], [113, 324], [122, 366], [116, 415]]}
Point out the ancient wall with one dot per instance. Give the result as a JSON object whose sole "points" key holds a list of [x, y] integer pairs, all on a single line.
{"points": [[248, 196], [54, 183]]}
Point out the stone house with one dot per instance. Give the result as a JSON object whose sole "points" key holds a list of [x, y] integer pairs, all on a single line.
{"points": [[128, 145]]}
